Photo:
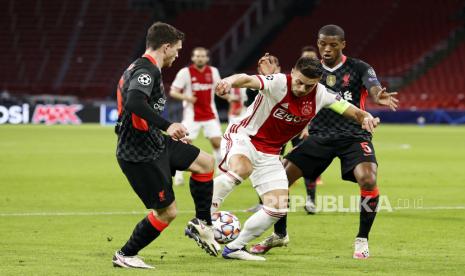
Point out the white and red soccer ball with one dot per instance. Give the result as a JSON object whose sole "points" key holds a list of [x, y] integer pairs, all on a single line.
{"points": [[226, 226]]}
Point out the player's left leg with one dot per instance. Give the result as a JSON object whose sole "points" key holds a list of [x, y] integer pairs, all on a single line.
{"points": [[310, 205], [310, 185], [188, 157], [145, 232], [274, 208], [270, 181], [216, 142], [310, 159], [193, 129], [358, 164], [365, 173], [152, 183], [212, 130], [201, 186]]}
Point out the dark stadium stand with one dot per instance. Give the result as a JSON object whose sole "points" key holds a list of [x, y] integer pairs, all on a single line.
{"points": [[409, 32], [393, 36], [204, 27], [377, 33], [37, 56], [443, 86], [33, 42], [81, 47], [110, 35]]}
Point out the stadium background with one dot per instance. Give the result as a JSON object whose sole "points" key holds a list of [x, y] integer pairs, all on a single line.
{"points": [[73, 52], [65, 206]]}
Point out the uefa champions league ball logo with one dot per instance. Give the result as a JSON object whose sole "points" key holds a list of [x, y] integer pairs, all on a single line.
{"points": [[144, 79]]}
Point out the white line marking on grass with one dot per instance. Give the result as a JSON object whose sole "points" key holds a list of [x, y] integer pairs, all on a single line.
{"points": [[391, 146], [118, 213]]}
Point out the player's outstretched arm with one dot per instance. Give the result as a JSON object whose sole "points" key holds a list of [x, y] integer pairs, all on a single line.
{"points": [[237, 81], [384, 98], [365, 119]]}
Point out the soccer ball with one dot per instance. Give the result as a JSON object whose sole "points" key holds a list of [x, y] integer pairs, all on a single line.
{"points": [[226, 226]]}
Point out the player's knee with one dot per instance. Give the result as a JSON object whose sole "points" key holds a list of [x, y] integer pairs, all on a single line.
{"points": [[367, 181], [168, 215], [242, 169], [278, 199], [207, 164], [216, 142]]}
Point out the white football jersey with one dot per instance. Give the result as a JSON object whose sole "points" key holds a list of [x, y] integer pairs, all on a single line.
{"points": [[277, 115], [200, 84]]}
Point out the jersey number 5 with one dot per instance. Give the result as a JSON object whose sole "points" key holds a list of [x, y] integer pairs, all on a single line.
{"points": [[366, 148]]}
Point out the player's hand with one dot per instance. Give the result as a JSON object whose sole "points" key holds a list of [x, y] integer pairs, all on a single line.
{"points": [[304, 134], [186, 140], [177, 131], [387, 99], [267, 65], [191, 99], [234, 98], [369, 124], [222, 88]]}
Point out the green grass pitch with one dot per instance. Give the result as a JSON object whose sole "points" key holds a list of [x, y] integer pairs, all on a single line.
{"points": [[65, 207]]}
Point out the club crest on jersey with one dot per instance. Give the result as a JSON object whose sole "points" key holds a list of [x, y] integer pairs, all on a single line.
{"points": [[331, 80], [144, 79], [306, 108]]}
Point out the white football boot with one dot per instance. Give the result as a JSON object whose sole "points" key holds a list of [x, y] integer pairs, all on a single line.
{"points": [[129, 262], [272, 241], [361, 249], [310, 206], [240, 254], [204, 236]]}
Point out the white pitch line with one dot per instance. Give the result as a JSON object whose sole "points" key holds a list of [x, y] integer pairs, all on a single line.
{"points": [[118, 213]]}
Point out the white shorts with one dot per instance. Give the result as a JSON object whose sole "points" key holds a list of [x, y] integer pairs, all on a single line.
{"points": [[268, 171], [211, 128]]}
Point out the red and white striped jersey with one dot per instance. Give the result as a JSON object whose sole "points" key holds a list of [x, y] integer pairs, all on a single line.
{"points": [[276, 115], [200, 84]]}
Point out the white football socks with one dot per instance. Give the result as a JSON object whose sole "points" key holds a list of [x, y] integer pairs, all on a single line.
{"points": [[223, 184], [217, 155], [256, 225]]}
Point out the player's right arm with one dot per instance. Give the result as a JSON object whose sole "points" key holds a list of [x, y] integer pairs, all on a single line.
{"points": [[237, 81], [337, 104], [266, 64], [365, 119], [139, 90]]}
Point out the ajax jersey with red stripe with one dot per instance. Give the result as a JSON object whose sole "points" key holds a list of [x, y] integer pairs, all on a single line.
{"points": [[201, 84], [276, 115]]}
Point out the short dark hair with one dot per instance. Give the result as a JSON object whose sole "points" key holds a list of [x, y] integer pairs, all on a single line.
{"points": [[200, 49], [308, 48], [161, 33], [309, 67], [274, 59], [332, 30]]}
